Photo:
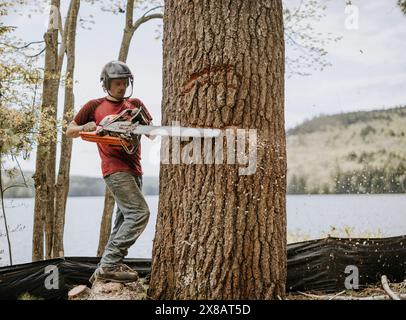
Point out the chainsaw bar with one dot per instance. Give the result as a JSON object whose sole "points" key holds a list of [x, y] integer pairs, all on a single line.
{"points": [[124, 133], [127, 128]]}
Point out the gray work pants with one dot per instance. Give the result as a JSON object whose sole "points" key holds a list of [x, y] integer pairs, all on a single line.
{"points": [[132, 216]]}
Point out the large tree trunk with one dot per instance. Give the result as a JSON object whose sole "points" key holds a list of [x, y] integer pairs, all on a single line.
{"points": [[44, 176], [62, 186], [219, 234]]}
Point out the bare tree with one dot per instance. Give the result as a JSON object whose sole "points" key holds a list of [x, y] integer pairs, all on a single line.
{"points": [[50, 199], [44, 177], [62, 185], [221, 235]]}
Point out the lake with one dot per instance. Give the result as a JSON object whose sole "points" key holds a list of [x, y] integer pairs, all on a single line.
{"points": [[308, 217]]}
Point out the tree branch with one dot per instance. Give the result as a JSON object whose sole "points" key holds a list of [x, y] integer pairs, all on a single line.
{"points": [[144, 19], [154, 8], [15, 186], [298, 9], [129, 12], [301, 47], [325, 297], [36, 55], [23, 47], [21, 171], [64, 32], [388, 290]]}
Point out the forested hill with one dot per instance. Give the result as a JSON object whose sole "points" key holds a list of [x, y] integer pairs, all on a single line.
{"points": [[357, 152]]}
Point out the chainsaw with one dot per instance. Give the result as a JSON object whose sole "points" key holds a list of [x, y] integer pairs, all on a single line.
{"points": [[125, 130]]}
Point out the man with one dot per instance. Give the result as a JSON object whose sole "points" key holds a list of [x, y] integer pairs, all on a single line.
{"points": [[122, 172]]}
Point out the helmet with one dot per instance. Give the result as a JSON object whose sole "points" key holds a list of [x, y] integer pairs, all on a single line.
{"points": [[115, 70]]}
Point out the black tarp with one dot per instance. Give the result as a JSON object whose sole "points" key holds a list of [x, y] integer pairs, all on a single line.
{"points": [[316, 265], [30, 277], [320, 265]]}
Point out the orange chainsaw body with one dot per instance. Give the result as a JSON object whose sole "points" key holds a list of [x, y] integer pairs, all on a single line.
{"points": [[113, 141]]}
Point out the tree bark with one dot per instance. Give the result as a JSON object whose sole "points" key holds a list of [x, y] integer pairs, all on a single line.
{"points": [[125, 44], [219, 234], [62, 186], [44, 177]]}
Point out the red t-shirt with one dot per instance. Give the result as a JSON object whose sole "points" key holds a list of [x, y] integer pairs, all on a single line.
{"points": [[113, 159]]}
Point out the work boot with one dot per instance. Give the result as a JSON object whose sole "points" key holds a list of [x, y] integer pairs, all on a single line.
{"points": [[121, 273]]}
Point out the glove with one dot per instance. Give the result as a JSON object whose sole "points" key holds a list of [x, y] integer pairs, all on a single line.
{"points": [[90, 126]]}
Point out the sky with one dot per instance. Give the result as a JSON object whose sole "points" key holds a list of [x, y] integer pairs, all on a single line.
{"points": [[368, 68]]}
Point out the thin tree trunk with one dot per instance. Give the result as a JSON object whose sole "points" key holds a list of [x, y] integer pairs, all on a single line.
{"points": [[105, 227], [219, 234], [62, 186], [128, 31], [128, 34], [125, 44], [50, 217], [10, 255], [50, 164], [44, 177]]}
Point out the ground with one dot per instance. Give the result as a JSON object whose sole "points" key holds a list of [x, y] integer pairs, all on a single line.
{"points": [[368, 292], [138, 291]]}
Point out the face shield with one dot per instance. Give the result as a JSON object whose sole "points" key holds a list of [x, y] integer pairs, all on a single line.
{"points": [[120, 88], [117, 79]]}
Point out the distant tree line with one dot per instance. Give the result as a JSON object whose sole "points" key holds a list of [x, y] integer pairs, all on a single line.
{"points": [[370, 179], [388, 179]]}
